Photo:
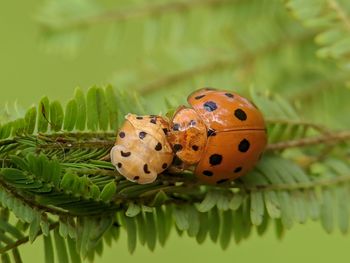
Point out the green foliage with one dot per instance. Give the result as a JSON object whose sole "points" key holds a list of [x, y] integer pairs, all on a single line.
{"points": [[55, 177], [58, 186]]}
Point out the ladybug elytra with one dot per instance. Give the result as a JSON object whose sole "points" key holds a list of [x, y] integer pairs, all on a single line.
{"points": [[221, 136]]}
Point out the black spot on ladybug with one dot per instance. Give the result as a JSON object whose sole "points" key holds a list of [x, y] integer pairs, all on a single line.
{"points": [[153, 120], [209, 88], [192, 123], [210, 106], [119, 165], [158, 146], [139, 117], [165, 130], [177, 147], [122, 134], [244, 146], [195, 148], [125, 154], [222, 181], [215, 159], [240, 114], [136, 178], [238, 169], [153, 116], [207, 173], [199, 97], [145, 169], [176, 126], [142, 135], [165, 165], [211, 132], [229, 95]]}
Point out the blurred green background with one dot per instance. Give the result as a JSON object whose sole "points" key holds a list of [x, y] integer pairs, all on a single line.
{"points": [[27, 73]]}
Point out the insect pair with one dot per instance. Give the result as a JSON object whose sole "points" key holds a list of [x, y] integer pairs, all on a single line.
{"points": [[221, 136]]}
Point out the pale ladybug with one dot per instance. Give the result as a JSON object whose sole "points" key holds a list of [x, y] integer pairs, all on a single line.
{"points": [[222, 135], [142, 151]]}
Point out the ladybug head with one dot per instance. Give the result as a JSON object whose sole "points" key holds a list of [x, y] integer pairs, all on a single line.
{"points": [[188, 135]]}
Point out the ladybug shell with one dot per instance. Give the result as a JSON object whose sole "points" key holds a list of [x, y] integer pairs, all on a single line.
{"points": [[236, 135], [142, 150]]}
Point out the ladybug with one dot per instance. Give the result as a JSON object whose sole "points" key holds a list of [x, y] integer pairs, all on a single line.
{"points": [[221, 135], [142, 150]]}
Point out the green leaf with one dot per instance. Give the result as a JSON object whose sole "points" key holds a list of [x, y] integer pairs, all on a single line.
{"points": [[181, 218], [343, 209], [75, 258], [256, 208], [193, 219], [272, 204], [208, 202], [130, 226], [151, 233], [133, 210], [92, 110], [236, 201], [34, 228], [112, 107], [203, 228], [30, 120], [327, 217], [48, 249], [161, 222], [70, 116], [81, 109], [141, 228], [43, 114], [226, 229], [60, 245], [56, 115], [108, 191], [159, 199], [102, 109], [214, 223]]}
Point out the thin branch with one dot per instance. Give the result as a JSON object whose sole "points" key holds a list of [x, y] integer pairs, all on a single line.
{"points": [[14, 192], [299, 186], [220, 64], [330, 138], [114, 16], [25, 239], [315, 126]]}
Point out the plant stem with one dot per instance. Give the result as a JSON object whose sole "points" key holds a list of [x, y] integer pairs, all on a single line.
{"points": [[220, 64], [329, 138], [340, 13], [113, 16], [24, 240]]}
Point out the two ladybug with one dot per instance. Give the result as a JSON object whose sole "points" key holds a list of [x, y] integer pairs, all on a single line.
{"points": [[221, 136]]}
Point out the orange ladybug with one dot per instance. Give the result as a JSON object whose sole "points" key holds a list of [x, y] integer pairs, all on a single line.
{"points": [[142, 150], [222, 135]]}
